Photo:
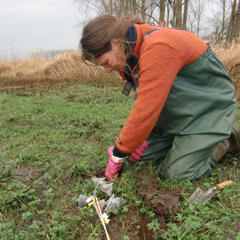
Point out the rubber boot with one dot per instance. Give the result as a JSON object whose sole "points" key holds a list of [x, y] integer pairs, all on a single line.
{"points": [[234, 140], [230, 145]]}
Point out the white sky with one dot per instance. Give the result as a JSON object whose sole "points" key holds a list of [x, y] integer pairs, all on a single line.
{"points": [[28, 26]]}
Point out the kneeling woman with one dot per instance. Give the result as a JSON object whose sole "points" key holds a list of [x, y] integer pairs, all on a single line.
{"points": [[183, 116]]}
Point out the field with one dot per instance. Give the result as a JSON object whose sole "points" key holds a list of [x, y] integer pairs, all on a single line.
{"points": [[58, 118]]}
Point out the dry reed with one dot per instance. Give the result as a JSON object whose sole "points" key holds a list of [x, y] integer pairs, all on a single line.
{"points": [[36, 71], [69, 68], [230, 56], [66, 65]]}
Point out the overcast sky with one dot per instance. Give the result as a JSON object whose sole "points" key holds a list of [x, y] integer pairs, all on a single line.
{"points": [[28, 26]]}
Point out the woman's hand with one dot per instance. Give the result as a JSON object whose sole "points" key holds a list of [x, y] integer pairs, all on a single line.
{"points": [[112, 167], [137, 154]]}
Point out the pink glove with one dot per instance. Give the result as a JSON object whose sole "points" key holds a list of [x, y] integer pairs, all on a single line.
{"points": [[112, 167], [136, 155]]}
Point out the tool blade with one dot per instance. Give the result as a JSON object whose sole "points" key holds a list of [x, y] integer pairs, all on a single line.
{"points": [[202, 196], [196, 195], [207, 195]]}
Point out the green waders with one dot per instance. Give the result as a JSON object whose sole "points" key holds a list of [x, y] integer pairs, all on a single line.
{"points": [[198, 114]]}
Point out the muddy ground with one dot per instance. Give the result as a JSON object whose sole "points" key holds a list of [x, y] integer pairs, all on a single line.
{"points": [[155, 197], [158, 200]]}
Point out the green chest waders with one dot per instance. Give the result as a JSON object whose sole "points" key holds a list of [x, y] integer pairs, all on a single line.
{"points": [[198, 114]]}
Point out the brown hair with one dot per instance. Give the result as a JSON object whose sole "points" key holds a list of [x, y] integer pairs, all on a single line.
{"points": [[98, 33]]}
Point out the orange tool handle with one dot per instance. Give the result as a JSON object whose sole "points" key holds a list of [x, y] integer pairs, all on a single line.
{"points": [[221, 185]]}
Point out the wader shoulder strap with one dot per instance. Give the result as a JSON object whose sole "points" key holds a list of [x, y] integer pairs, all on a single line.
{"points": [[129, 84], [149, 32]]}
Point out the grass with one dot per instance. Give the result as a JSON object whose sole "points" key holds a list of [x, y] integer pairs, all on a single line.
{"points": [[57, 120], [53, 142], [48, 141]]}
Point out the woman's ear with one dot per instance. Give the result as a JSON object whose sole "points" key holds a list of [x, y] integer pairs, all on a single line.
{"points": [[114, 41]]}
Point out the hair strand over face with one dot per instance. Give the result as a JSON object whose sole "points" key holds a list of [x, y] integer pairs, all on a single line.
{"points": [[98, 33]]}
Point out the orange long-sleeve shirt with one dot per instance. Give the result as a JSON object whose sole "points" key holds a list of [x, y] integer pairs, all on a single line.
{"points": [[161, 56]]}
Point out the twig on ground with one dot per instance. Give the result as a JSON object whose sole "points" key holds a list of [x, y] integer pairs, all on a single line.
{"points": [[98, 209]]}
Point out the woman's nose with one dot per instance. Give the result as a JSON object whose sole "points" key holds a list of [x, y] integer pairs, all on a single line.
{"points": [[108, 69]]}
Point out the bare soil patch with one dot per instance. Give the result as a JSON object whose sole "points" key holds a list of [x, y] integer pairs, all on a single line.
{"points": [[158, 200]]}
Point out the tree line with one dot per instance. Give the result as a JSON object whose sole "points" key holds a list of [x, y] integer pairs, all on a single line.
{"points": [[217, 20]]}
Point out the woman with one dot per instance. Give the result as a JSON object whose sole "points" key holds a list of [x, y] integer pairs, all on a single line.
{"points": [[185, 104]]}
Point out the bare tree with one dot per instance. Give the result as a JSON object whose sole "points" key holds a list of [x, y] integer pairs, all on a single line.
{"points": [[237, 22], [162, 7], [220, 22], [168, 13], [230, 31], [152, 11], [234, 22], [178, 13], [134, 6], [223, 16], [220, 25], [185, 13], [197, 9]]}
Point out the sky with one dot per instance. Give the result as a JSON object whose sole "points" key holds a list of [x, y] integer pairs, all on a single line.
{"points": [[28, 26]]}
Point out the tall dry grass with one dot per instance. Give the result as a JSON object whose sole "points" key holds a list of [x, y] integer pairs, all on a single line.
{"points": [[230, 56], [35, 72]]}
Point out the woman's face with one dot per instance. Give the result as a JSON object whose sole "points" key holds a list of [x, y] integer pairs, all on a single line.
{"points": [[110, 60]]}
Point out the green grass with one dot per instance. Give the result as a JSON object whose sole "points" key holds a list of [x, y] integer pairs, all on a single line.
{"points": [[53, 142]]}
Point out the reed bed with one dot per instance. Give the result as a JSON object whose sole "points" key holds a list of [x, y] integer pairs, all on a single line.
{"points": [[230, 56], [69, 68], [36, 72]]}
